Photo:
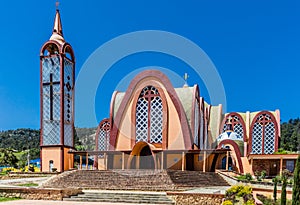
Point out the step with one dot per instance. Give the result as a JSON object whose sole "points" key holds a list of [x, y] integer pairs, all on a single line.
{"points": [[128, 197], [136, 180]]}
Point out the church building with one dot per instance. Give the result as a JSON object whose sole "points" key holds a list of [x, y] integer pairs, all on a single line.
{"points": [[152, 125], [156, 126]]}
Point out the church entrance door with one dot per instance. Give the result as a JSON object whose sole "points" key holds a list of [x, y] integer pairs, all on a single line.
{"points": [[189, 162], [141, 157], [146, 158]]}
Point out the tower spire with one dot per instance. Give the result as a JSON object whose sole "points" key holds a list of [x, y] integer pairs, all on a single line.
{"points": [[57, 33]]}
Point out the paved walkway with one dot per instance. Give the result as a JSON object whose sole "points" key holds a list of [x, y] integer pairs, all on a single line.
{"points": [[41, 202], [14, 182], [209, 190]]}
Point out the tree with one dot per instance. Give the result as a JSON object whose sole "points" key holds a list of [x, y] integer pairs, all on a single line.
{"points": [[296, 186], [284, 177], [8, 158], [263, 174], [20, 139], [275, 181], [290, 135]]}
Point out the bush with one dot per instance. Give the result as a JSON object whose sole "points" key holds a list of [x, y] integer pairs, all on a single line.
{"points": [[257, 175], [263, 174], [8, 169], [249, 202], [291, 181], [247, 177], [244, 190], [265, 200], [240, 192], [227, 202]]}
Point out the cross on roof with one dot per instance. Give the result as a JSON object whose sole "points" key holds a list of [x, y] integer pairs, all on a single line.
{"points": [[57, 4], [185, 77]]}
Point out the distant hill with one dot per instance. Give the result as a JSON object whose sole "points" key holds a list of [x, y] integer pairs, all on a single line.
{"points": [[20, 139], [23, 138], [86, 137]]}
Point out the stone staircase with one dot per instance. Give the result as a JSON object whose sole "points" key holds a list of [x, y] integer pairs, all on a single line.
{"points": [[142, 180], [122, 197]]}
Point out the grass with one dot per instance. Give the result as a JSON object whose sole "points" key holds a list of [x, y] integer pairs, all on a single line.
{"points": [[3, 199], [28, 184]]}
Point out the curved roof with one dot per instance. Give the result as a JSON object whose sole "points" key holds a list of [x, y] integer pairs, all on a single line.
{"points": [[185, 95]]}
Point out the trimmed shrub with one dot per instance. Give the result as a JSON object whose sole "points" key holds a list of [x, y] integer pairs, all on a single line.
{"points": [[296, 186]]}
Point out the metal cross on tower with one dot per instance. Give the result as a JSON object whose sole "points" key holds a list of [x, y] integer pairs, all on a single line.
{"points": [[51, 83]]}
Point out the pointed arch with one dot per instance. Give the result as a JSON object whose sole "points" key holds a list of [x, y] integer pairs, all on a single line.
{"points": [[160, 81], [238, 124], [195, 117], [150, 114], [136, 153], [236, 150], [202, 123], [263, 134], [103, 135], [68, 51], [53, 47]]}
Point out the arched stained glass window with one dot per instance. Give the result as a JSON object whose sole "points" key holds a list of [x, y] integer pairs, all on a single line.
{"points": [[103, 135], [149, 116], [263, 135], [196, 123], [201, 129], [236, 122]]}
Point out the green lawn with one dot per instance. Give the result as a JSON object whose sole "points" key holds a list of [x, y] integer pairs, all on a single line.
{"points": [[28, 184], [2, 199]]}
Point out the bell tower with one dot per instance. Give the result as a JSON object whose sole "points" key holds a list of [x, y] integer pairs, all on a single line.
{"points": [[57, 78]]}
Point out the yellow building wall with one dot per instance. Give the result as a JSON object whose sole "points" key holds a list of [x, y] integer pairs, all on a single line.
{"points": [[209, 161], [125, 130], [173, 161], [175, 136], [101, 165], [198, 164], [117, 162], [54, 154], [68, 160]]}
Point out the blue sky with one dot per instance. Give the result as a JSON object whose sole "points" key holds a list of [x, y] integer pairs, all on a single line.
{"points": [[254, 45]]}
